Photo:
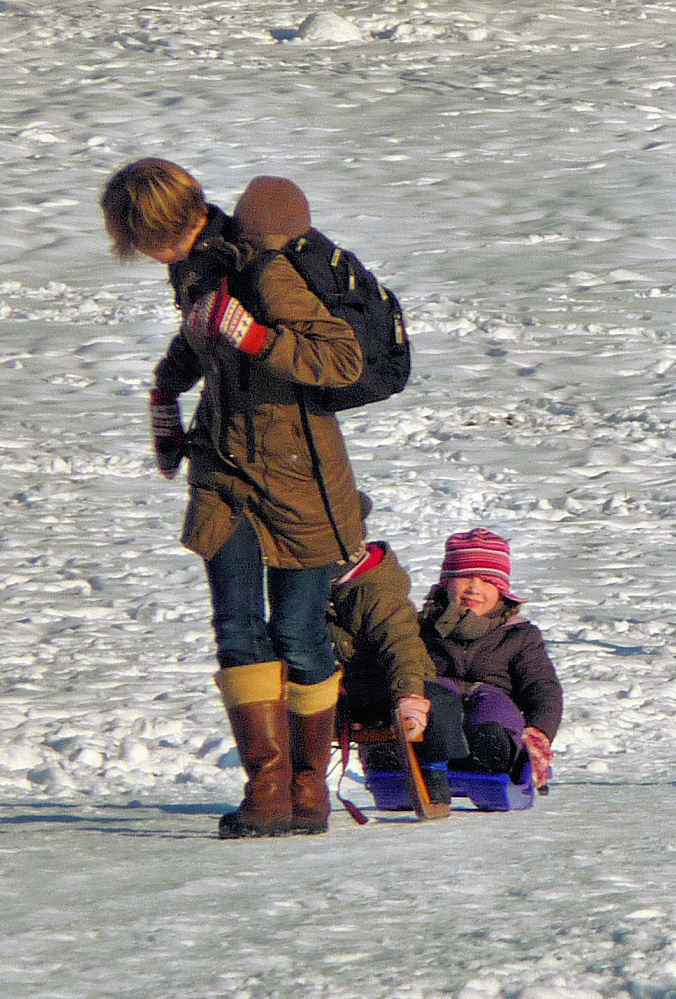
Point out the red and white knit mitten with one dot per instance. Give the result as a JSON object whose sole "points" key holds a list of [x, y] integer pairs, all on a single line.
{"points": [[218, 314]]}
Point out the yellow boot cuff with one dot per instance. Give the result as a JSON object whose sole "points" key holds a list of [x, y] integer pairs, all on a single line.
{"points": [[318, 697], [250, 684]]}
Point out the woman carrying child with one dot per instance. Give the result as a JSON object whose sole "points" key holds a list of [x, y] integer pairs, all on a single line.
{"points": [[255, 511]]}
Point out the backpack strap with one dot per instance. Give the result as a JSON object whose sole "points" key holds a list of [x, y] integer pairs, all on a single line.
{"points": [[318, 470], [245, 285]]}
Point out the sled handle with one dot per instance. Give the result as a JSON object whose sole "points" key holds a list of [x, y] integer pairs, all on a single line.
{"points": [[424, 807]]}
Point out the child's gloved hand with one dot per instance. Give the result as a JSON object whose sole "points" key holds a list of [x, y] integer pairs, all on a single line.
{"points": [[218, 314], [167, 431], [540, 752], [413, 711]]}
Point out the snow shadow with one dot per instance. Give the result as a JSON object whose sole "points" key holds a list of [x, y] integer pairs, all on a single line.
{"points": [[132, 819]]}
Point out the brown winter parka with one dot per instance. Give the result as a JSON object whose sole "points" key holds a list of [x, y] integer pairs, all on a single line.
{"points": [[249, 454]]}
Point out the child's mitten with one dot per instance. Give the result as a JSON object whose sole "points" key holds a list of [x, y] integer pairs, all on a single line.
{"points": [[167, 431], [540, 752], [413, 710], [218, 314]]}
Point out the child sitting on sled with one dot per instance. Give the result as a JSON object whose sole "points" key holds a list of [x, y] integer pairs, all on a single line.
{"points": [[495, 659], [375, 632]]}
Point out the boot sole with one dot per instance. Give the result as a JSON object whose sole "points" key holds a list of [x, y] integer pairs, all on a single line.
{"points": [[306, 827], [236, 829]]}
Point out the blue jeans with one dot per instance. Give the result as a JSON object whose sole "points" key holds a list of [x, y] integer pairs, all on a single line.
{"points": [[297, 601]]}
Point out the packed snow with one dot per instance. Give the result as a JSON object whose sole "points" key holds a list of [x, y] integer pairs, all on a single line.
{"points": [[508, 171]]}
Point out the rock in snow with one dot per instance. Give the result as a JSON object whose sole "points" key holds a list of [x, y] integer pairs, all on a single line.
{"points": [[326, 26]]}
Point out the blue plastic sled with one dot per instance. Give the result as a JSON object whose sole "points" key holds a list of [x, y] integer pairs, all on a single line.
{"points": [[487, 792]]}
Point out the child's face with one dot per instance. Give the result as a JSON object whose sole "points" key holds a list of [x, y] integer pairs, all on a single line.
{"points": [[171, 253], [474, 593]]}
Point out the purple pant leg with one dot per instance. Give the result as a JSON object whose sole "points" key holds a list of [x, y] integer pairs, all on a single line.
{"points": [[490, 704]]}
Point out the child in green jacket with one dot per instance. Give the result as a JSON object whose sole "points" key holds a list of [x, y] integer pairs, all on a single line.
{"points": [[375, 632]]}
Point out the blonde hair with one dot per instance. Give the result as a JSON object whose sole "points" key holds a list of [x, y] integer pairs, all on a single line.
{"points": [[150, 203]]}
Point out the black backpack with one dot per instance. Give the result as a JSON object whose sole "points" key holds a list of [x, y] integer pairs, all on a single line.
{"points": [[351, 292]]}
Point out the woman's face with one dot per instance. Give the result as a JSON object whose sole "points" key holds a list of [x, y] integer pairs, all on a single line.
{"points": [[166, 254], [473, 593], [171, 253]]}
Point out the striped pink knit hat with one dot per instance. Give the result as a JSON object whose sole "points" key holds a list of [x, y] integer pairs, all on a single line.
{"points": [[479, 553]]}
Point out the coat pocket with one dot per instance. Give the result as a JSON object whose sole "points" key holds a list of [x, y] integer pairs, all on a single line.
{"points": [[209, 522]]}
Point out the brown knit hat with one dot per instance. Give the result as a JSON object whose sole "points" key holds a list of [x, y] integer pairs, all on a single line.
{"points": [[273, 206]]}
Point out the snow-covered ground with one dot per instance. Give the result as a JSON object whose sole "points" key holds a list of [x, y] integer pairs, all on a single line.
{"points": [[508, 171]]}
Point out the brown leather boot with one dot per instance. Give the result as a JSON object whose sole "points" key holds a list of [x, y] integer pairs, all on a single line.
{"points": [[311, 730], [254, 699]]}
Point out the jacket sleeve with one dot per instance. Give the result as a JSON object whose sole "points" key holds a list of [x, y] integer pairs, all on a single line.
{"points": [[306, 344], [537, 689], [389, 626], [179, 369]]}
